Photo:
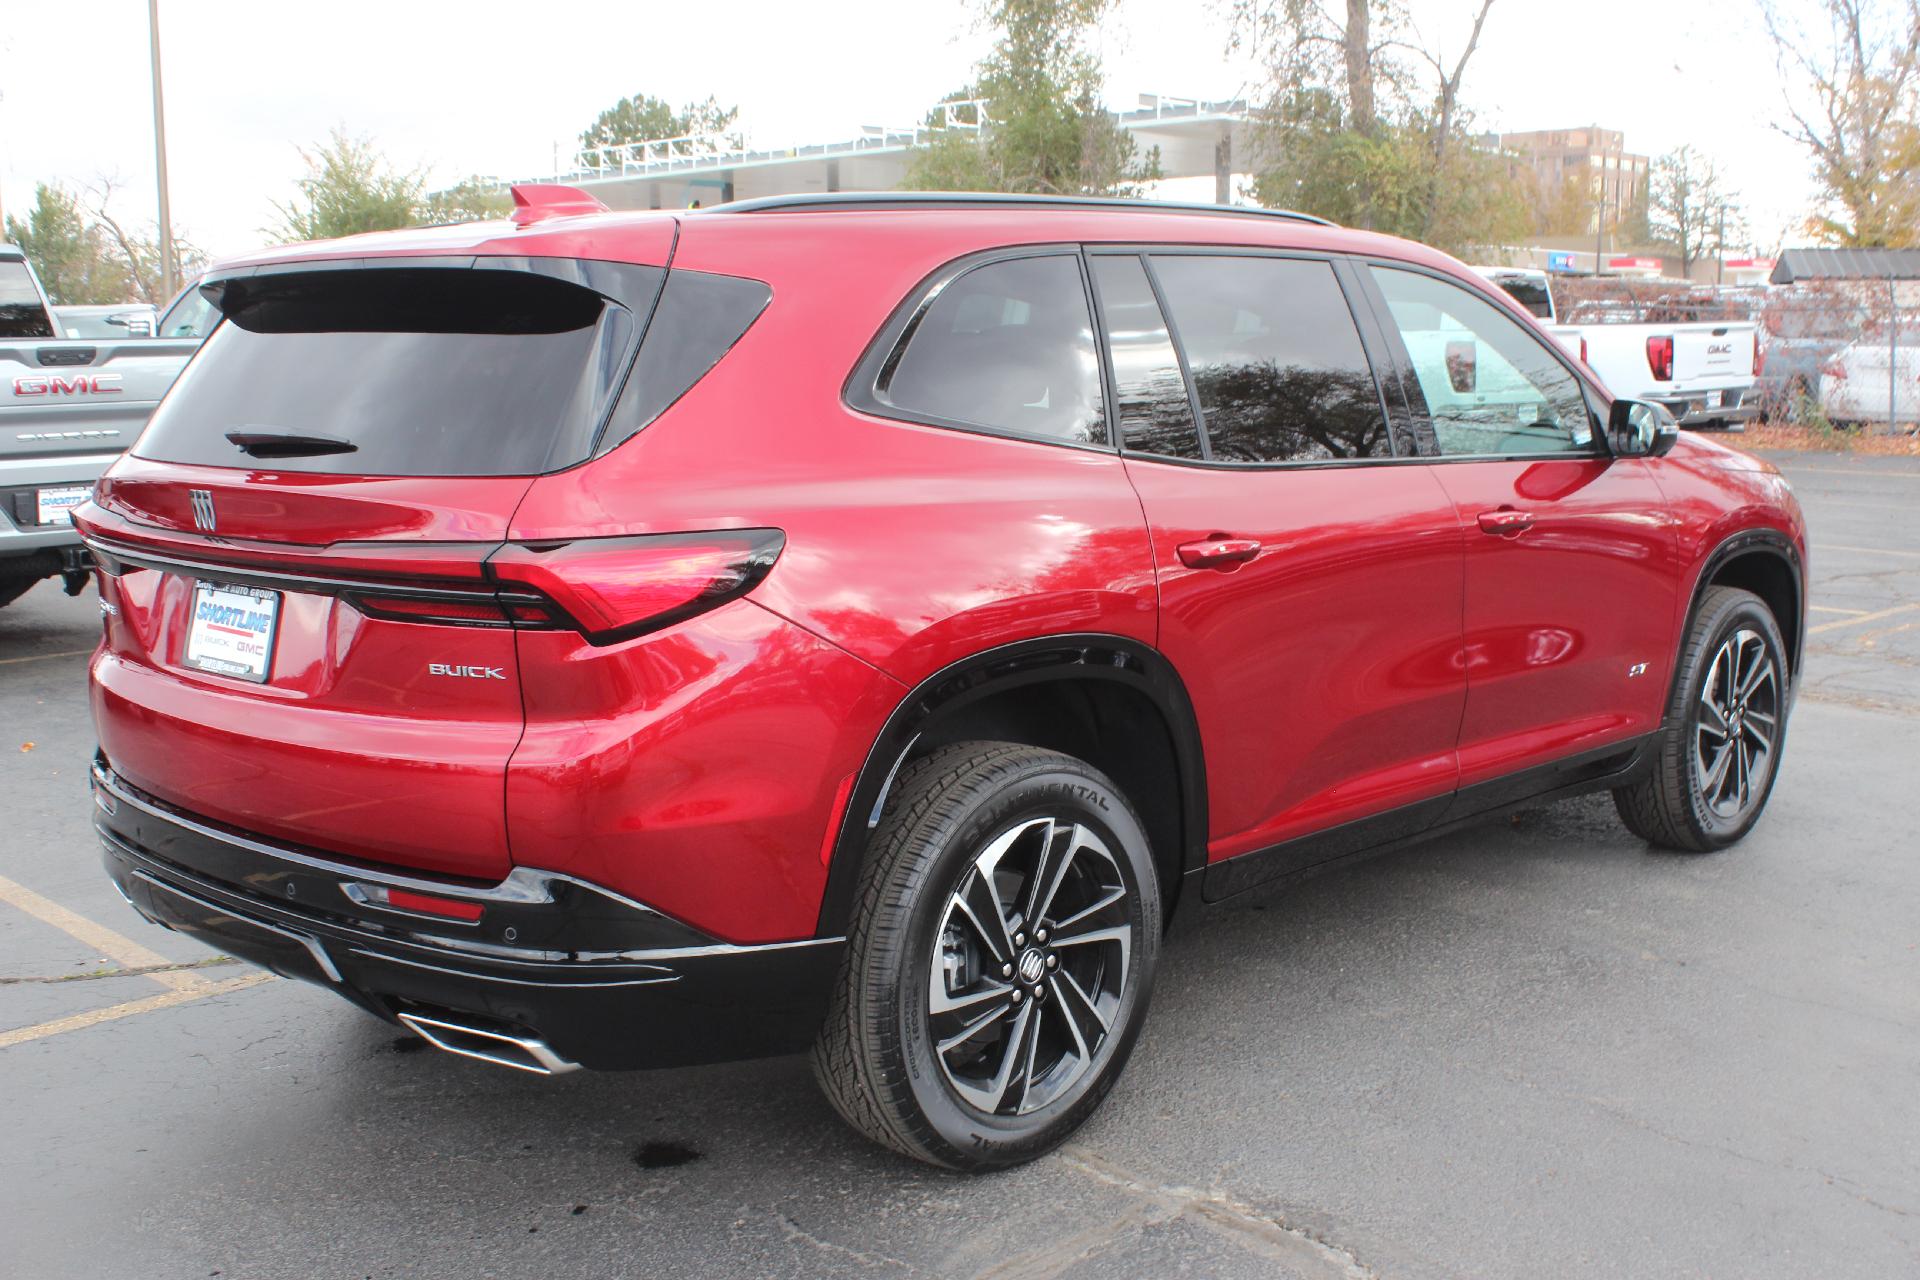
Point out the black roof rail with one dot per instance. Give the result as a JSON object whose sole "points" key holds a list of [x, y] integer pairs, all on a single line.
{"points": [[853, 200]]}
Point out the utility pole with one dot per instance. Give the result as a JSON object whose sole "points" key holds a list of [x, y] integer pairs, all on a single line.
{"points": [[169, 269], [1600, 201], [1720, 246]]}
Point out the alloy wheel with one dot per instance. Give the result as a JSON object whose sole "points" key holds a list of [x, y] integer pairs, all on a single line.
{"points": [[1738, 725], [1030, 965]]}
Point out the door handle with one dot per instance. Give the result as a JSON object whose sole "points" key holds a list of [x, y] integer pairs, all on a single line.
{"points": [[1219, 552], [1506, 522]]}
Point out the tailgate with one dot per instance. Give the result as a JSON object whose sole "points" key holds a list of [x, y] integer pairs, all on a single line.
{"points": [[82, 397], [302, 640], [1713, 356], [279, 687]]}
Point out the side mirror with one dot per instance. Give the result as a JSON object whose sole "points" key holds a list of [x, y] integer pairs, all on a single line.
{"points": [[136, 324], [1463, 361], [1640, 429]]}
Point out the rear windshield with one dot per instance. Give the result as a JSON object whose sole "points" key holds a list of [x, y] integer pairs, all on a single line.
{"points": [[1529, 293], [409, 371], [22, 314]]}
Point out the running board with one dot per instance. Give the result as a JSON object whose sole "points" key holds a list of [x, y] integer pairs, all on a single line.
{"points": [[522, 1053]]}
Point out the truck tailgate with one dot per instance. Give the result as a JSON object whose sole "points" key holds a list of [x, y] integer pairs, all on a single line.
{"points": [[1712, 355]]}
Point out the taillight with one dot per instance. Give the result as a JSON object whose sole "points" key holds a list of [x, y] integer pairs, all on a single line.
{"points": [[1759, 358], [1660, 358], [452, 609], [1583, 348], [616, 588]]}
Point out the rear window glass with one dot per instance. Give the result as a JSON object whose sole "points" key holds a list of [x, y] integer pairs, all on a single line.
{"points": [[699, 318], [1007, 346], [1530, 293], [404, 371], [22, 314]]}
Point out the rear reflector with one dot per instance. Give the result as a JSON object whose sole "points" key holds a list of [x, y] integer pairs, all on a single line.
{"points": [[419, 903], [618, 588]]}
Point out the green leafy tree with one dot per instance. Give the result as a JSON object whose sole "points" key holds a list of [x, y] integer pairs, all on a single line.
{"points": [[1046, 131], [349, 188], [1356, 130], [472, 199], [645, 118], [70, 252]]}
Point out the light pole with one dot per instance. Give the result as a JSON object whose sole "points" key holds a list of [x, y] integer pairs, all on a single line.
{"points": [[168, 268]]}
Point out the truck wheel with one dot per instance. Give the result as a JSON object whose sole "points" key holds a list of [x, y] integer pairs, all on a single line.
{"points": [[1000, 959], [1726, 725]]}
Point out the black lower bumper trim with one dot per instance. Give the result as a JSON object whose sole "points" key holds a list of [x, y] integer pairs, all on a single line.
{"points": [[668, 1006]]}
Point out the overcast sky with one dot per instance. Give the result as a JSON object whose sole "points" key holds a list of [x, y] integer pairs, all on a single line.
{"points": [[497, 88]]}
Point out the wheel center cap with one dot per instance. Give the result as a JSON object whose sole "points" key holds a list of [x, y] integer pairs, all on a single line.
{"points": [[1032, 965]]}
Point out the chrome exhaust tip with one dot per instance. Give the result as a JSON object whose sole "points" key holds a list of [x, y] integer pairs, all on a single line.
{"points": [[522, 1053]]}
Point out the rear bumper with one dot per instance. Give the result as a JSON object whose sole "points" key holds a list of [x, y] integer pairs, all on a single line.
{"points": [[592, 978], [20, 479], [1694, 411]]}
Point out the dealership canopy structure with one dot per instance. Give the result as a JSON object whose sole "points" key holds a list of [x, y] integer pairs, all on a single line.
{"points": [[1194, 139]]}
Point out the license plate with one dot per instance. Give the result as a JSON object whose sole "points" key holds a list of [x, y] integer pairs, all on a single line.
{"points": [[1713, 400], [232, 630], [55, 506]]}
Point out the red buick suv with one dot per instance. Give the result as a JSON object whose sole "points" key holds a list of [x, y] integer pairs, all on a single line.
{"points": [[868, 622]]}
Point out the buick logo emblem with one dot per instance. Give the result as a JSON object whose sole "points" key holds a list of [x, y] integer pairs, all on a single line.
{"points": [[203, 519], [1032, 965]]}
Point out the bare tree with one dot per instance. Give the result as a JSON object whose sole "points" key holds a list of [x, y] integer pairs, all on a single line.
{"points": [[1855, 108], [140, 254], [1687, 207], [1448, 103]]}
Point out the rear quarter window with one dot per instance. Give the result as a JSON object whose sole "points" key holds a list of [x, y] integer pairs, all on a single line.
{"points": [[1006, 347]]}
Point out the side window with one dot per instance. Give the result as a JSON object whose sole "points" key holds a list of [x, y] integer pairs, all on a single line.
{"points": [[1007, 346], [1275, 357], [1490, 386], [1153, 410]]}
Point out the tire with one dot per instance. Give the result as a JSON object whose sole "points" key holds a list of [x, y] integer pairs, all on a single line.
{"points": [[1719, 752], [960, 820]]}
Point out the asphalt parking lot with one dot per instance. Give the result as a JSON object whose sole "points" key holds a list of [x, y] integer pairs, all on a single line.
{"points": [[1534, 1049]]}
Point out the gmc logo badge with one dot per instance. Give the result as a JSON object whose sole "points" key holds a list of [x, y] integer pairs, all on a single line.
{"points": [[1719, 348], [80, 384]]}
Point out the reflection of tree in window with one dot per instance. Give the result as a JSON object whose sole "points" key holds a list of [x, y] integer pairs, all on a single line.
{"points": [[1275, 357], [1273, 412]]}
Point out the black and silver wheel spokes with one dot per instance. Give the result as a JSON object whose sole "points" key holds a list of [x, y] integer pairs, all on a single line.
{"points": [[1029, 967], [1738, 725]]}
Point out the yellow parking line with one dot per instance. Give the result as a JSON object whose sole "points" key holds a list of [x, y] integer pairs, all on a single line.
{"points": [[1865, 617], [165, 1000], [1827, 608], [98, 937], [36, 657]]}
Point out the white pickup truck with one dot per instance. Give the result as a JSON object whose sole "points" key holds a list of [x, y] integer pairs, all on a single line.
{"points": [[68, 408], [1703, 372]]}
